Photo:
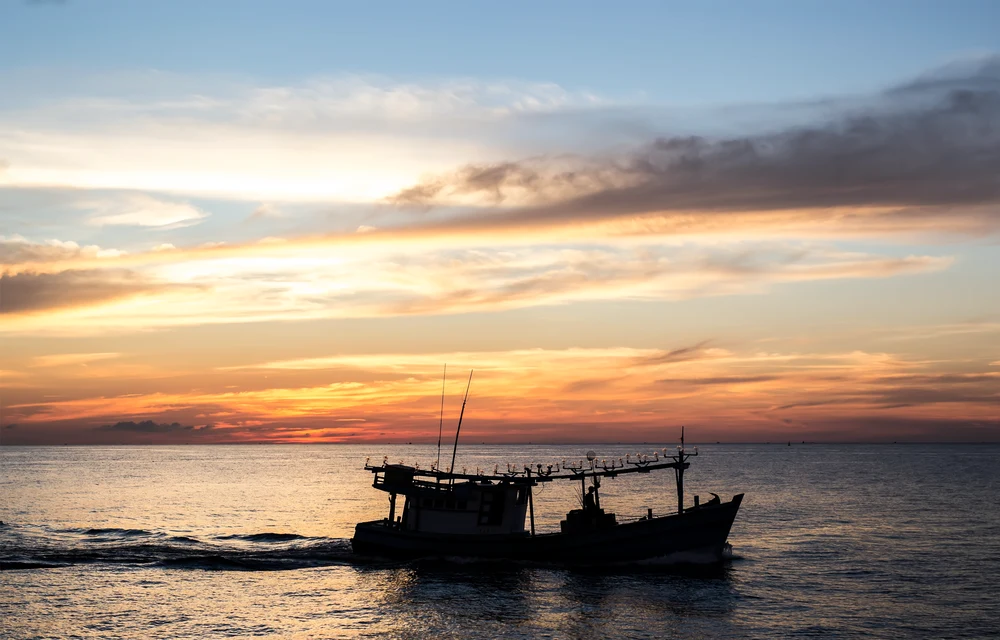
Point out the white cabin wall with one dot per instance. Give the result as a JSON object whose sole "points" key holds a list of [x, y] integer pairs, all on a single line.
{"points": [[442, 520]]}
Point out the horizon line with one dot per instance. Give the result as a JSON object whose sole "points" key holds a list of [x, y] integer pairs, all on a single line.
{"points": [[535, 444]]}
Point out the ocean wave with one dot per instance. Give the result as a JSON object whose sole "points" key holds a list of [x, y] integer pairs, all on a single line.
{"points": [[114, 531], [38, 548], [13, 565], [217, 562], [267, 537]]}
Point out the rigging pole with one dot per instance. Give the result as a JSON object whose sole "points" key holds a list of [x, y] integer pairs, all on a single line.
{"points": [[444, 376], [454, 449], [679, 475]]}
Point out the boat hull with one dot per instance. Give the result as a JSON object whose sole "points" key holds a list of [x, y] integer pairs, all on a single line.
{"points": [[697, 535]]}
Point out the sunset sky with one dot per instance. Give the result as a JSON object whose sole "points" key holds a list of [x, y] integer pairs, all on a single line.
{"points": [[278, 221]]}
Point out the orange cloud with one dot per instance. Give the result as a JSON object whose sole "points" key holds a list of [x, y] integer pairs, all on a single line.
{"points": [[296, 281], [538, 395]]}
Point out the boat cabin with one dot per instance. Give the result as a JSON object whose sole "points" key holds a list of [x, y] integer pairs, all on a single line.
{"points": [[472, 506]]}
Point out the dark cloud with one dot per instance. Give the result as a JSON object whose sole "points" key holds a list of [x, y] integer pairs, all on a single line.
{"points": [[148, 426], [934, 142], [684, 354], [10, 427], [893, 392], [867, 428], [718, 380], [933, 395], [491, 179], [266, 211], [594, 384], [27, 292], [971, 73], [816, 403], [16, 251], [942, 378]]}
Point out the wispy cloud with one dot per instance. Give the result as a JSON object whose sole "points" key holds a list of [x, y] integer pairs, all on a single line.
{"points": [[70, 359], [267, 210], [144, 211], [373, 279], [347, 139]]}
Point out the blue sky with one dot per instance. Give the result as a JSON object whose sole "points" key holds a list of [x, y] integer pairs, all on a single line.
{"points": [[674, 52]]}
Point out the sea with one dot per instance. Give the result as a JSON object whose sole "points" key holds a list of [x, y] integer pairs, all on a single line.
{"points": [[879, 541]]}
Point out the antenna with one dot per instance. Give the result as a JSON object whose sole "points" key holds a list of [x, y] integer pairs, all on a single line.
{"points": [[444, 376], [682, 436], [454, 450]]}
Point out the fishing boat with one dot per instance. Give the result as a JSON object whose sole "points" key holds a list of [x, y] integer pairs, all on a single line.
{"points": [[482, 515]]}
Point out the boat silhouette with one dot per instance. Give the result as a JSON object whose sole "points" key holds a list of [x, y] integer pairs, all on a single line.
{"points": [[447, 514]]}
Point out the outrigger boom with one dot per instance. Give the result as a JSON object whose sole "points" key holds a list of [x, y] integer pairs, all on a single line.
{"points": [[529, 475]]}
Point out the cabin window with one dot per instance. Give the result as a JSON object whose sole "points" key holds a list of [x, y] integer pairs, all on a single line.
{"points": [[427, 503], [491, 508], [462, 505], [438, 504], [450, 504]]}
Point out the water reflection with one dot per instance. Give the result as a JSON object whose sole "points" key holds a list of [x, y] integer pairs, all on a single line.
{"points": [[481, 599], [447, 597]]}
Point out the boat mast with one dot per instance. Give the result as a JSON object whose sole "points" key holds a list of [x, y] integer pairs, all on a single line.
{"points": [[454, 449], [531, 505], [444, 376], [679, 473]]}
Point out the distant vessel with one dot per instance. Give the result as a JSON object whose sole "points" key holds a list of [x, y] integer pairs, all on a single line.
{"points": [[483, 516]]}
